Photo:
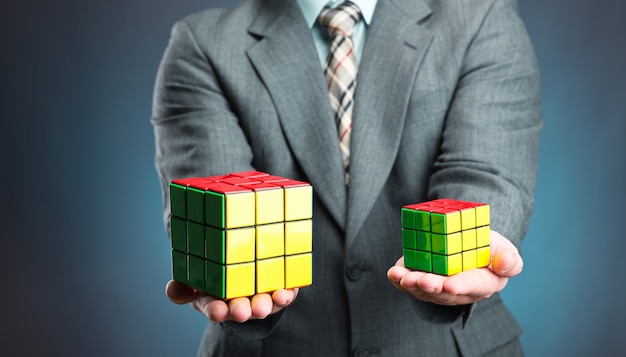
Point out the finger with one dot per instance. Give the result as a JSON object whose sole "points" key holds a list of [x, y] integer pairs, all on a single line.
{"points": [[507, 263], [431, 283], [214, 309], [395, 274], [261, 305], [400, 261], [240, 309], [475, 283], [431, 288], [426, 282], [505, 260], [455, 300], [284, 297], [179, 293]]}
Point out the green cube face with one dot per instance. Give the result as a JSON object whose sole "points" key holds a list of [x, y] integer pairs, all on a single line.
{"points": [[410, 258], [424, 241], [409, 238], [408, 218], [417, 260], [195, 205], [178, 233], [438, 223], [423, 221], [416, 219], [195, 239], [178, 200], [179, 267], [215, 212], [196, 272], [216, 279], [215, 245], [424, 261]]}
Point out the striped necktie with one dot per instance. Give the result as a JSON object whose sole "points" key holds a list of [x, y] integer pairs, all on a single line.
{"points": [[341, 70]]}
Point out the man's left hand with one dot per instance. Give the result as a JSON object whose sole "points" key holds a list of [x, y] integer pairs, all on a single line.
{"points": [[466, 287]]}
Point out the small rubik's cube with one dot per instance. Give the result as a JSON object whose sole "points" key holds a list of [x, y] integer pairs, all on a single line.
{"points": [[446, 236], [241, 234]]}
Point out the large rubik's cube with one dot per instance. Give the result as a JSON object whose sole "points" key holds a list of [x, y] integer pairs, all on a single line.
{"points": [[446, 236], [241, 234]]}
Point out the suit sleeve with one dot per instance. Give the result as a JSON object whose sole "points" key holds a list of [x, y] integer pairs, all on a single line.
{"points": [[196, 131], [490, 144]]}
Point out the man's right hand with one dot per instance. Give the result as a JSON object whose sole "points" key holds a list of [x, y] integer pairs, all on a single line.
{"points": [[238, 309]]}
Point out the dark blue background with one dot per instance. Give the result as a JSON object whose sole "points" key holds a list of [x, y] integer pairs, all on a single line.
{"points": [[84, 255]]}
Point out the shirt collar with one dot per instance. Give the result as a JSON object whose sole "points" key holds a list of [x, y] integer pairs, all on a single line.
{"points": [[312, 8]]}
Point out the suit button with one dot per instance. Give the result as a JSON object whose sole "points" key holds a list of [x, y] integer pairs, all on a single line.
{"points": [[353, 272], [360, 352]]}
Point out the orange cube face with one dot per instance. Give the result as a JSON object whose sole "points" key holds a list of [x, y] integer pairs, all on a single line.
{"points": [[446, 236], [240, 234]]}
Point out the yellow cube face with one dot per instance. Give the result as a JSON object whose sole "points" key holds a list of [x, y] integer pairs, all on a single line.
{"points": [[270, 206], [298, 237], [469, 259], [240, 210], [298, 270], [455, 264], [468, 218], [298, 203], [270, 274], [483, 257], [483, 215], [240, 280], [453, 222], [483, 235], [469, 239], [455, 243], [270, 240], [239, 245]]}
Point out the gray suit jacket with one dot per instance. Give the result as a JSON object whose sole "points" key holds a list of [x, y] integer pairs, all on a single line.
{"points": [[447, 105]]}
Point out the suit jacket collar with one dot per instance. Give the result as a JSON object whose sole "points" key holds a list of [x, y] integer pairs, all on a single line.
{"points": [[287, 63], [394, 48]]}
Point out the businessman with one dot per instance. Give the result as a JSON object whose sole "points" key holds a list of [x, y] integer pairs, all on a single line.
{"points": [[377, 104]]}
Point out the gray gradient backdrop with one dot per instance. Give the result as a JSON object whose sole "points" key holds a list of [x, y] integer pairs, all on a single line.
{"points": [[84, 255]]}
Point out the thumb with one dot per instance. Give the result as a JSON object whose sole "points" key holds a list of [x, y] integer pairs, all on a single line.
{"points": [[179, 293], [507, 263]]}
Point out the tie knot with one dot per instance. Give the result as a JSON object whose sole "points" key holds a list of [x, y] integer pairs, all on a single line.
{"points": [[340, 21]]}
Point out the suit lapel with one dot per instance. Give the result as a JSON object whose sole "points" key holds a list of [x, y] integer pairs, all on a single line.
{"points": [[393, 51], [288, 65]]}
